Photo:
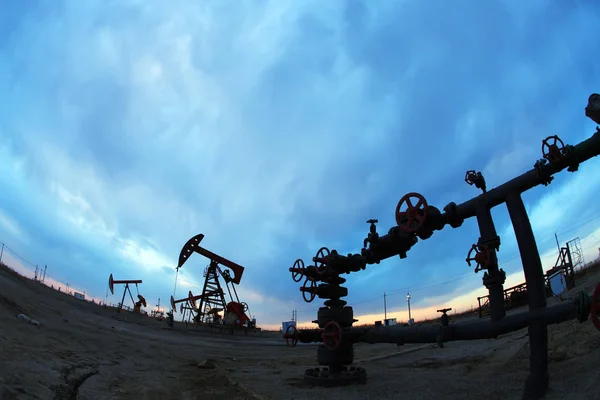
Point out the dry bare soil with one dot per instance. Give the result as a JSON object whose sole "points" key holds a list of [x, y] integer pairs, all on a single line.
{"points": [[83, 351]]}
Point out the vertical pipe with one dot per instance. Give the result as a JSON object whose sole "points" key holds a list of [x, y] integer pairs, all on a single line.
{"points": [[495, 286], [536, 384]]}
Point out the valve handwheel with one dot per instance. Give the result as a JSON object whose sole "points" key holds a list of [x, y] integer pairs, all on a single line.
{"points": [[482, 256], [470, 177], [595, 307], [552, 148], [332, 335], [321, 260], [291, 336], [413, 218], [297, 270], [308, 290]]}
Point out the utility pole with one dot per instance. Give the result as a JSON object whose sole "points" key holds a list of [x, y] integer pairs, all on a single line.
{"points": [[44, 276], [557, 244], [408, 300], [1, 252], [36, 273], [384, 309]]}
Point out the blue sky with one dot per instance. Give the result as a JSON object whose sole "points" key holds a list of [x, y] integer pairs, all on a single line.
{"points": [[277, 127]]}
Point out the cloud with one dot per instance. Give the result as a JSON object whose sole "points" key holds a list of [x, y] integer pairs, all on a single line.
{"points": [[278, 127]]}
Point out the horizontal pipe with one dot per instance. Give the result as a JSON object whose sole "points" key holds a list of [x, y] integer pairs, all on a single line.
{"points": [[470, 330], [462, 331], [584, 151]]}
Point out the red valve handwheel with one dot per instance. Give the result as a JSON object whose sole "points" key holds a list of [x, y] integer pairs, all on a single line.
{"points": [[297, 270], [291, 336], [552, 148], [413, 219], [332, 335], [321, 260], [470, 177], [308, 290], [595, 307], [482, 256]]}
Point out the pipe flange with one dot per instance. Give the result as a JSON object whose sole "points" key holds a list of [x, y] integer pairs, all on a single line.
{"points": [[491, 243], [571, 154], [540, 167], [497, 278], [452, 215]]}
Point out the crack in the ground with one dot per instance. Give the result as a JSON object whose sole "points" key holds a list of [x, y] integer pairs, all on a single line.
{"points": [[70, 388]]}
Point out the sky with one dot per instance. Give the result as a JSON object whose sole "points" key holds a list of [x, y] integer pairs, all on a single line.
{"points": [[277, 127]]}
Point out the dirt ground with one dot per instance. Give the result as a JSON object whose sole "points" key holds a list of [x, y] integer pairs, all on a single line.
{"points": [[83, 351]]}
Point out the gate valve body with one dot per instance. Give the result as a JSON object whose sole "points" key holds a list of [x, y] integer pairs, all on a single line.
{"points": [[553, 148], [482, 257], [444, 319], [473, 177], [413, 218], [297, 270], [332, 335], [373, 235]]}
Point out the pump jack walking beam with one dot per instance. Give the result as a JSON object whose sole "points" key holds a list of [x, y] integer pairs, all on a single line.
{"points": [[193, 245]]}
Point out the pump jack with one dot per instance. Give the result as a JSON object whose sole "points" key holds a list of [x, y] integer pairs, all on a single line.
{"points": [[212, 297], [137, 305]]}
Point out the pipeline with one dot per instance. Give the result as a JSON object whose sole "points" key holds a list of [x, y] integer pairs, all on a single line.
{"points": [[476, 330], [470, 330]]}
